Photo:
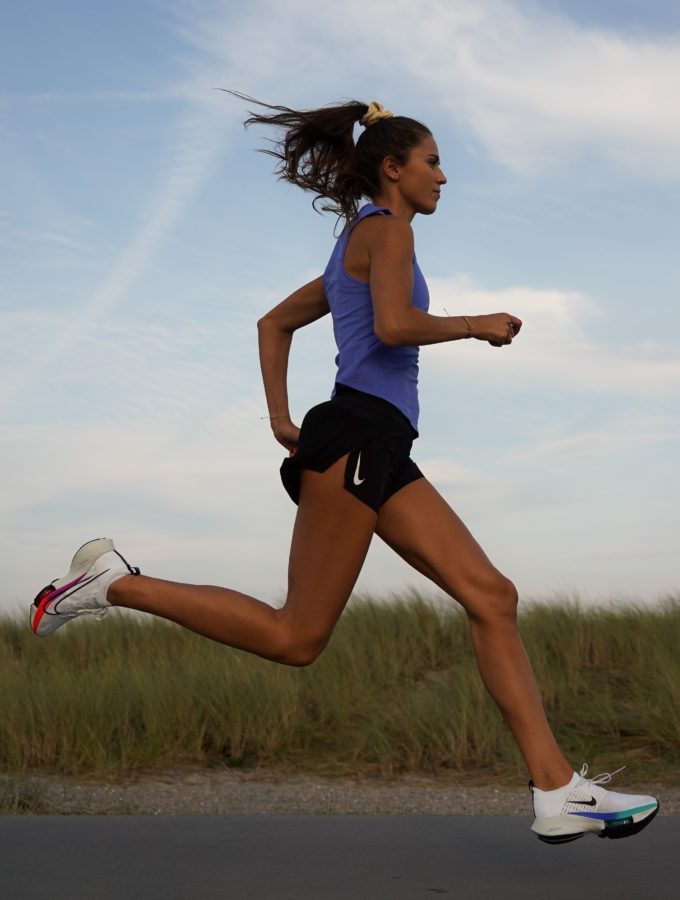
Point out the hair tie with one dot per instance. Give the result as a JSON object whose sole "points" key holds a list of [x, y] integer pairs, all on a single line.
{"points": [[375, 113]]}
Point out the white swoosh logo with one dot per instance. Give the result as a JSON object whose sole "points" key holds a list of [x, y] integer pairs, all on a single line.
{"points": [[358, 480]]}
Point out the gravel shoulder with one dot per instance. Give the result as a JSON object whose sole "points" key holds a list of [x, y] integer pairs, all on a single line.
{"points": [[188, 791]]}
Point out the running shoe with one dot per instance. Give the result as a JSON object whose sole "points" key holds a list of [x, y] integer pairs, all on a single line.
{"points": [[583, 807], [82, 592]]}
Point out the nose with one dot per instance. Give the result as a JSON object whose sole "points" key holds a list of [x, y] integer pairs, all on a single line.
{"points": [[441, 178]]}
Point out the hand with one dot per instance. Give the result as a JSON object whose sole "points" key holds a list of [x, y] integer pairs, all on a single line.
{"points": [[286, 434], [498, 328]]}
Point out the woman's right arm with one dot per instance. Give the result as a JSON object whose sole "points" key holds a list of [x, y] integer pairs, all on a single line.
{"points": [[275, 335]]}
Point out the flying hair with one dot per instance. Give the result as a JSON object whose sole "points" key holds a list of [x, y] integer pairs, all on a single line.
{"points": [[316, 149]]}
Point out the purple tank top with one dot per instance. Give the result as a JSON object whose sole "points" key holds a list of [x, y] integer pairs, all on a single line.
{"points": [[364, 362]]}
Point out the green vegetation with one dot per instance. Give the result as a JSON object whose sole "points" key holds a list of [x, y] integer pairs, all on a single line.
{"points": [[21, 796], [397, 691]]}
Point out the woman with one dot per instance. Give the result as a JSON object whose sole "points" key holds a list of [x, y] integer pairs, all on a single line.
{"points": [[349, 468]]}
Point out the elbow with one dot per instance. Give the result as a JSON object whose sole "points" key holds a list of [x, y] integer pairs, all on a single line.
{"points": [[273, 323], [384, 331], [268, 325], [389, 336]]}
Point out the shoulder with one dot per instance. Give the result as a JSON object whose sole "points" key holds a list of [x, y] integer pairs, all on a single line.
{"points": [[387, 232]]}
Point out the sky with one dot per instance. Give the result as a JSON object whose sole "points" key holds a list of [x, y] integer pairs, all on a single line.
{"points": [[141, 237]]}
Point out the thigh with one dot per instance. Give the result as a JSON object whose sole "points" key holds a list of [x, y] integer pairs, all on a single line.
{"points": [[331, 537], [422, 528]]}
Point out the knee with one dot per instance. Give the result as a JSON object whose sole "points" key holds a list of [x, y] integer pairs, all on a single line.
{"points": [[301, 650], [301, 656], [497, 602]]}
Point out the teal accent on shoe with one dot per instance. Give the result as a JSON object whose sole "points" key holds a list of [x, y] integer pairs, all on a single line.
{"points": [[612, 817]]}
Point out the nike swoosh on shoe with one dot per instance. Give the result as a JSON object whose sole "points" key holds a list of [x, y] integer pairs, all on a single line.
{"points": [[76, 586]]}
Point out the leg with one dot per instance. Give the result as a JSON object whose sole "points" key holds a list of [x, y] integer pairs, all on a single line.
{"points": [[422, 528], [332, 533]]}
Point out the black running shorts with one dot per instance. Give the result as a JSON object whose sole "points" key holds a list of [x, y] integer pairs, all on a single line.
{"points": [[376, 435]]}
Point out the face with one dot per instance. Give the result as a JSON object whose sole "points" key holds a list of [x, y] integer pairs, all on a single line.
{"points": [[420, 179]]}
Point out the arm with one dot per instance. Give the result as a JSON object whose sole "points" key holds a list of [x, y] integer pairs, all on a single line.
{"points": [[396, 321], [275, 335]]}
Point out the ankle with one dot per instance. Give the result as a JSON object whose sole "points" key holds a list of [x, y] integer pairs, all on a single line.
{"points": [[553, 779], [116, 592]]}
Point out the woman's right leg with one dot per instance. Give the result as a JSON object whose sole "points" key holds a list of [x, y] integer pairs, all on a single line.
{"points": [[422, 528], [331, 537]]}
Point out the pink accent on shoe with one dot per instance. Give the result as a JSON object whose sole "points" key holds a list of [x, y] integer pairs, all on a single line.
{"points": [[49, 598]]}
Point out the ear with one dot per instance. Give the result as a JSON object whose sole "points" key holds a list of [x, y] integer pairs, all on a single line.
{"points": [[391, 169]]}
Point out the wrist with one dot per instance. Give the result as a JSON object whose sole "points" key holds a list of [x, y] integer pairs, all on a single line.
{"points": [[468, 325], [277, 421], [276, 418]]}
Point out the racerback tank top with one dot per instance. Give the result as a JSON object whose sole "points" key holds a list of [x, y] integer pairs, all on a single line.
{"points": [[364, 362]]}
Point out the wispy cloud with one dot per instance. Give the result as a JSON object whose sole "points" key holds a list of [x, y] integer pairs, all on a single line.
{"points": [[189, 501], [129, 371], [66, 98], [534, 87], [616, 434], [199, 136], [554, 345]]}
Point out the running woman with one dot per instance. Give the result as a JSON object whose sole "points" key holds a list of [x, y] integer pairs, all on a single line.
{"points": [[349, 467]]}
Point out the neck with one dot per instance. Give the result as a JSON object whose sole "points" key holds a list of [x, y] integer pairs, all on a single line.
{"points": [[395, 202]]}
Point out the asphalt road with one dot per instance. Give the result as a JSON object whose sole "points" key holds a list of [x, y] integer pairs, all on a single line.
{"points": [[326, 858]]}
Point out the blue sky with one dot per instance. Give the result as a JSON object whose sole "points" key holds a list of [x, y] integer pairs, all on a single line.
{"points": [[141, 237]]}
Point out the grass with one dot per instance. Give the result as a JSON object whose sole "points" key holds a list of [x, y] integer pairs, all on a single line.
{"points": [[21, 796], [397, 691]]}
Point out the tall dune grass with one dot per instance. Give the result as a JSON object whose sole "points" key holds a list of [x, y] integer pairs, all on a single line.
{"points": [[397, 691]]}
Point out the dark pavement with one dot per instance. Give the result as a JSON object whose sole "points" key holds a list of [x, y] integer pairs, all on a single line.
{"points": [[325, 858]]}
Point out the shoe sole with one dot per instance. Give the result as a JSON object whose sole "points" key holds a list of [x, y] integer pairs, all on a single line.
{"points": [[613, 830], [84, 558]]}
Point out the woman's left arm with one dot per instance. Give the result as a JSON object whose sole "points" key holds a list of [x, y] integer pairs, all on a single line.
{"points": [[396, 321], [275, 335]]}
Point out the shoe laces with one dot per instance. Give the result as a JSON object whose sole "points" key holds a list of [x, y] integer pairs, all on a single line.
{"points": [[603, 778]]}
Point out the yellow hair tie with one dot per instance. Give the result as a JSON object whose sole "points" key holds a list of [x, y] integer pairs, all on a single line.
{"points": [[375, 112]]}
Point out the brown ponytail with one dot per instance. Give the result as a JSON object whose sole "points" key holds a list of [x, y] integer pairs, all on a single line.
{"points": [[317, 150]]}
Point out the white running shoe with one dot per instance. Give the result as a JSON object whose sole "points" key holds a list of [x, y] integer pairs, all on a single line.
{"points": [[583, 807], [83, 590]]}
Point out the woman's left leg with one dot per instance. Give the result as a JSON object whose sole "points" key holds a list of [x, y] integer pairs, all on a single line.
{"points": [[423, 529]]}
